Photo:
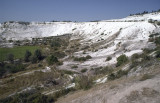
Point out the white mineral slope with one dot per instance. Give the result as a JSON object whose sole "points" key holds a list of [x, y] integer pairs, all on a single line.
{"points": [[114, 38], [93, 30]]}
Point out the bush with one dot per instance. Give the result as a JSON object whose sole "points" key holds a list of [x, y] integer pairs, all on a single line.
{"points": [[83, 70], [83, 82], [135, 56], [108, 58], [59, 54], [102, 70], [121, 60], [27, 55], [121, 73], [28, 97], [145, 57], [10, 68], [82, 58], [88, 57], [111, 76], [134, 64], [74, 66], [157, 40], [52, 59], [67, 72], [56, 42]]}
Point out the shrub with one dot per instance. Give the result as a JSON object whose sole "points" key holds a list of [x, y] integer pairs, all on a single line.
{"points": [[111, 76], [135, 57], [74, 66], [121, 60], [59, 54], [150, 20], [82, 58], [28, 97], [121, 73], [157, 40], [55, 43], [83, 70], [11, 68], [102, 70], [67, 72], [134, 64], [52, 59], [88, 57], [83, 82], [108, 58], [145, 57], [27, 55]]}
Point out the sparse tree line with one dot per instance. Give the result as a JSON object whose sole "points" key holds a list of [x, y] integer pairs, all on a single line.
{"points": [[145, 12]]}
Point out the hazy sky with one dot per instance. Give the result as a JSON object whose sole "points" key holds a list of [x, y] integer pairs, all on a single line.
{"points": [[74, 10]]}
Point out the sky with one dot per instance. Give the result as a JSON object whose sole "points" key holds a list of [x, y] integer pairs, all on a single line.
{"points": [[73, 10]]}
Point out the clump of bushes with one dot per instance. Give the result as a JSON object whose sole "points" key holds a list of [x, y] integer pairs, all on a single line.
{"points": [[102, 70], [83, 70], [28, 97], [10, 68], [82, 58], [121, 60], [119, 74]]}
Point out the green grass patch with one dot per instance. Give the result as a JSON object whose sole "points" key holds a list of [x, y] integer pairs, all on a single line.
{"points": [[18, 52]]}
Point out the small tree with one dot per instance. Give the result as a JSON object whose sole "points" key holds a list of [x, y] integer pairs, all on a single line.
{"points": [[38, 54], [27, 55], [121, 60], [10, 57]]}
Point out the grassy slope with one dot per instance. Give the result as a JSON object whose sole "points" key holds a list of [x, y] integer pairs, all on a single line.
{"points": [[18, 52]]}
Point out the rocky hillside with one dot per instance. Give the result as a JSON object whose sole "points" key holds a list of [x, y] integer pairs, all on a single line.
{"points": [[121, 57]]}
